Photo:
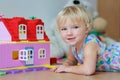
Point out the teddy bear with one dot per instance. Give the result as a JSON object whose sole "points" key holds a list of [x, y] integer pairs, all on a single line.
{"points": [[58, 48], [99, 29], [89, 5]]}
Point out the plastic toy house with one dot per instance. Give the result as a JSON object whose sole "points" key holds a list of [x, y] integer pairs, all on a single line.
{"points": [[23, 42]]}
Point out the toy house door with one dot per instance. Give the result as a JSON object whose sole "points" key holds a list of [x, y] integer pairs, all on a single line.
{"points": [[30, 56], [40, 32], [22, 32]]}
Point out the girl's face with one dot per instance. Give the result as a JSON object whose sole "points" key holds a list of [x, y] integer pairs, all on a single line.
{"points": [[73, 32]]}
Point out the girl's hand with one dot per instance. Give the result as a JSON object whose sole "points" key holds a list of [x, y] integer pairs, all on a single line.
{"points": [[59, 69]]}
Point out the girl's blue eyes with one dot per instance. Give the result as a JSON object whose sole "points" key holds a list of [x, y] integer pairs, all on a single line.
{"points": [[63, 29], [75, 27]]}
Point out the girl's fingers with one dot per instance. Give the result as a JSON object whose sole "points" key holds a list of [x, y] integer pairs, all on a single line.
{"points": [[53, 70]]}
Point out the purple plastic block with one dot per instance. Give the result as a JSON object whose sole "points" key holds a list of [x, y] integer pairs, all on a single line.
{"points": [[40, 68], [37, 68], [12, 71], [16, 71], [7, 71], [45, 68], [28, 70]]}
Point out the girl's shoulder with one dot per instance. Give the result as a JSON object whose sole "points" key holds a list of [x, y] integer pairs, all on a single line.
{"points": [[92, 38]]}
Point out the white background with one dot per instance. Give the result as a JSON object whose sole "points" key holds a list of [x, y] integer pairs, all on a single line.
{"points": [[44, 9]]}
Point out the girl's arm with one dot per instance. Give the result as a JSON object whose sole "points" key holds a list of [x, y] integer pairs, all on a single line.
{"points": [[71, 60], [89, 65]]}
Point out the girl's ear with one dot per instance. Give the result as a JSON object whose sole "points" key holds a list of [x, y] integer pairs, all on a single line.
{"points": [[88, 29]]}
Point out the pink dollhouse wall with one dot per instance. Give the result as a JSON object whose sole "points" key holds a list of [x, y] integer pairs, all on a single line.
{"points": [[7, 49], [15, 52]]}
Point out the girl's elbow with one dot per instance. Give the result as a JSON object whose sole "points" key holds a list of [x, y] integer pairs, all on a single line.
{"points": [[89, 72]]}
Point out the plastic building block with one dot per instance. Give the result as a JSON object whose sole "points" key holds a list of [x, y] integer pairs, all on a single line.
{"points": [[2, 73], [16, 71], [49, 66], [36, 69], [32, 17], [12, 71], [15, 55], [53, 61], [61, 60], [40, 68], [28, 70], [24, 29], [22, 35]]}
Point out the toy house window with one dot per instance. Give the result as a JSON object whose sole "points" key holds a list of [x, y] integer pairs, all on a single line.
{"points": [[30, 54], [22, 32], [40, 32], [23, 55], [42, 53]]}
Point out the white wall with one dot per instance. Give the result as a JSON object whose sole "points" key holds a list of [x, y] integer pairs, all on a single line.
{"points": [[44, 9]]}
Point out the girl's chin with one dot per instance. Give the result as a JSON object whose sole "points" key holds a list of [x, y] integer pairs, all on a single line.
{"points": [[71, 43]]}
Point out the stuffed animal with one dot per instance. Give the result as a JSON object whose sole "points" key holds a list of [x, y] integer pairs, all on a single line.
{"points": [[99, 29], [59, 48], [90, 5]]}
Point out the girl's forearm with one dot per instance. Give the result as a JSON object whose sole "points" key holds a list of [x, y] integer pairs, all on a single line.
{"points": [[79, 70], [69, 62]]}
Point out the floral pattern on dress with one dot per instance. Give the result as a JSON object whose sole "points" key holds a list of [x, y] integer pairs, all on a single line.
{"points": [[109, 57]]}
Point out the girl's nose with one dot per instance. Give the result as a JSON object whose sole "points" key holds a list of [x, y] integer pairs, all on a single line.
{"points": [[69, 32]]}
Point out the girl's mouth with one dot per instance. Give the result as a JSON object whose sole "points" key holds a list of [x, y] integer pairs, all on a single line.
{"points": [[71, 39]]}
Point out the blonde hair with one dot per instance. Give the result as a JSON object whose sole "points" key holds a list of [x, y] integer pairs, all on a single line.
{"points": [[75, 13]]}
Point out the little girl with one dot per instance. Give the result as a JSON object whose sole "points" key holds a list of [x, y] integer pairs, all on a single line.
{"points": [[74, 23]]}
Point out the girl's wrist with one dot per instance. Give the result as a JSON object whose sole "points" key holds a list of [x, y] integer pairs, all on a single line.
{"points": [[66, 64], [68, 69]]}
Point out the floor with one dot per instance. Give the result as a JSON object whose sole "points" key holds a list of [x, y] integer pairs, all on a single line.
{"points": [[48, 75]]}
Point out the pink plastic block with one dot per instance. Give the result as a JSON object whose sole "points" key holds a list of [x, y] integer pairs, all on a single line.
{"points": [[6, 60]]}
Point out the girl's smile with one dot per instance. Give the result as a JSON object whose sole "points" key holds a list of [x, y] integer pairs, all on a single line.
{"points": [[73, 32], [72, 39]]}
